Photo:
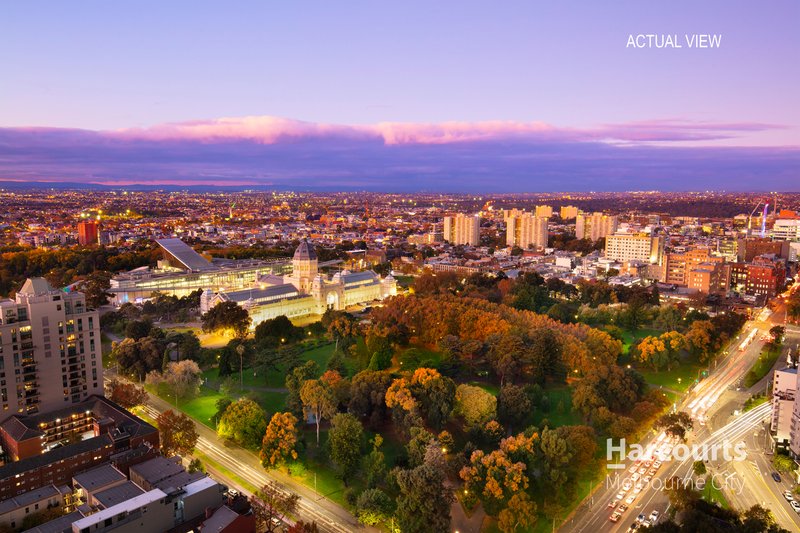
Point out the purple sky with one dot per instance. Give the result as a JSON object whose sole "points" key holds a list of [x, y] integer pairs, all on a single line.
{"points": [[506, 96]]}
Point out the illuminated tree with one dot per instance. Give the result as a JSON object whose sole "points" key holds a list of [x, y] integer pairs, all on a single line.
{"points": [[280, 439]]}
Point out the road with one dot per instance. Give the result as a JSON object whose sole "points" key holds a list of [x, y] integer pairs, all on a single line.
{"points": [[703, 402], [329, 516]]}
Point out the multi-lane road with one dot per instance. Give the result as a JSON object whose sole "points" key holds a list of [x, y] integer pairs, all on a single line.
{"points": [[639, 485]]}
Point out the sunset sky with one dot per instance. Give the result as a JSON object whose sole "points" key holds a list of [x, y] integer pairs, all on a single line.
{"points": [[473, 96]]}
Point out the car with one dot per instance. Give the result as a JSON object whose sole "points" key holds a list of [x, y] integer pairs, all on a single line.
{"points": [[635, 477], [654, 516], [651, 472], [634, 467], [627, 485], [629, 500], [642, 470], [615, 517], [633, 527], [795, 505], [619, 496], [647, 464], [622, 508], [788, 495], [776, 477], [645, 523], [657, 464], [640, 518], [613, 503], [646, 479], [638, 488]]}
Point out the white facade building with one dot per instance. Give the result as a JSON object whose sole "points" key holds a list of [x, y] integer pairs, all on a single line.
{"points": [[526, 231], [462, 229]]}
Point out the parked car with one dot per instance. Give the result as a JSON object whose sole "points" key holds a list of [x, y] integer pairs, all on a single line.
{"points": [[788, 495], [654, 516], [795, 505], [776, 477]]}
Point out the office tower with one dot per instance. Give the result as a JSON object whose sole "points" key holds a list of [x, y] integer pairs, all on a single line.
{"points": [[638, 247], [50, 353], [595, 226], [462, 229], [526, 231], [544, 211], [88, 232], [568, 212]]}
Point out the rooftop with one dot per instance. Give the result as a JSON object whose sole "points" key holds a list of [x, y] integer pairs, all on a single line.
{"points": [[185, 255], [99, 477], [118, 494], [305, 252]]}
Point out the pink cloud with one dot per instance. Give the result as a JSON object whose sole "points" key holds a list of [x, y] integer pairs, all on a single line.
{"points": [[274, 130]]}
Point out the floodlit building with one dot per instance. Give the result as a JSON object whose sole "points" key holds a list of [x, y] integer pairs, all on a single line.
{"points": [[462, 229], [568, 212], [595, 226], [784, 391], [544, 211], [88, 232], [526, 231], [184, 271], [305, 291], [49, 350], [637, 247], [786, 230]]}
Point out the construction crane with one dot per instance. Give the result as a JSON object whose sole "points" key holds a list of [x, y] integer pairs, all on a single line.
{"points": [[765, 203]]}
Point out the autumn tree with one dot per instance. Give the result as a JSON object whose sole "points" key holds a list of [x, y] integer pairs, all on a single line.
{"points": [[494, 479], [271, 505], [318, 400], [401, 401], [475, 405], [435, 395], [243, 422], [178, 433], [700, 338], [280, 440], [519, 514], [651, 350], [227, 316], [125, 394]]}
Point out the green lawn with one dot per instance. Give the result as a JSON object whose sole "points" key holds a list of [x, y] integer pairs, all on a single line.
{"points": [[766, 360], [712, 494], [679, 378], [631, 337], [491, 388], [560, 412]]}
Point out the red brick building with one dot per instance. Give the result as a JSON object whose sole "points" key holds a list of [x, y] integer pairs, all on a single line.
{"points": [[766, 275], [50, 448]]}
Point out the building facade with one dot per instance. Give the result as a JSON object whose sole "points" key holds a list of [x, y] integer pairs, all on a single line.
{"points": [[526, 231], [595, 226], [462, 229], [50, 352], [88, 232], [639, 247]]}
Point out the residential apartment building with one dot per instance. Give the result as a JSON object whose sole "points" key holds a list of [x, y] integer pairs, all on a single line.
{"points": [[637, 247], [595, 226], [784, 391], [544, 211], [568, 212], [526, 231], [88, 232], [50, 353], [766, 275], [462, 229]]}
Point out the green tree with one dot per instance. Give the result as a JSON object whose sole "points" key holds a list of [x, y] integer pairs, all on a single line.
{"points": [[294, 382], [513, 405], [475, 405], [227, 316], [243, 422], [138, 329], [699, 468], [368, 396], [95, 287], [675, 424], [277, 330], [345, 441], [373, 507], [423, 504], [374, 465]]}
